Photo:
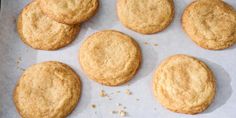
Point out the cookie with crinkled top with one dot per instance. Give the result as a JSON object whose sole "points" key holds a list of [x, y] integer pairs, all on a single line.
{"points": [[41, 32], [145, 16], [184, 84], [110, 57], [211, 24], [47, 90]]}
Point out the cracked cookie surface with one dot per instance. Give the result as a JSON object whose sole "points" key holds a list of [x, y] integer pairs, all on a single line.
{"points": [[210, 23], [110, 57], [184, 84], [40, 32], [145, 16], [47, 90], [70, 11]]}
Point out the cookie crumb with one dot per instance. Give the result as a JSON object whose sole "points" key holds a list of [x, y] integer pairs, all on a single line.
{"points": [[123, 113], [119, 104], [114, 112], [155, 44], [128, 92], [93, 106], [102, 93], [117, 91], [145, 43], [18, 61]]}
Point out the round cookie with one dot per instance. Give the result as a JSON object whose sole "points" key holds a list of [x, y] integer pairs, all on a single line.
{"points": [[145, 16], [41, 32], [184, 84], [210, 23], [70, 11], [110, 57], [47, 90]]}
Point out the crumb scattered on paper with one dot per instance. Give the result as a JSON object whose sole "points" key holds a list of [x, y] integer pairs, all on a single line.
{"points": [[121, 110], [145, 43], [114, 112], [117, 91], [122, 113], [119, 104], [93, 106], [155, 44], [102, 93], [18, 61], [128, 92]]}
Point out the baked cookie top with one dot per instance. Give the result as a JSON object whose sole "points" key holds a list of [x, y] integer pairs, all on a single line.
{"points": [[69, 11], [145, 16], [184, 84], [47, 90], [40, 32], [110, 57], [210, 23]]}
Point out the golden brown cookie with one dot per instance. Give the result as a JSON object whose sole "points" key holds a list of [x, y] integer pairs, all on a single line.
{"points": [[110, 57], [210, 23], [41, 32], [70, 11], [47, 90], [145, 16], [184, 84]]}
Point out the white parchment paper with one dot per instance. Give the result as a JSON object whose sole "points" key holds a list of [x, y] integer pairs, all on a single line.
{"points": [[15, 56]]}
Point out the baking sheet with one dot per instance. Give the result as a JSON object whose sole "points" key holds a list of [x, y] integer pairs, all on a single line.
{"points": [[15, 57]]}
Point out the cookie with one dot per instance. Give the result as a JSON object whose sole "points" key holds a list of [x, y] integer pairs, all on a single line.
{"points": [[211, 24], [47, 90], [184, 84], [110, 57], [70, 11], [40, 32], [145, 16]]}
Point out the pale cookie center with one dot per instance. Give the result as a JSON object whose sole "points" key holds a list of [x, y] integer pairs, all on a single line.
{"points": [[184, 85], [149, 12], [111, 55]]}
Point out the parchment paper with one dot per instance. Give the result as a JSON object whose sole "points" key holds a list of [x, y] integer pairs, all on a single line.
{"points": [[16, 56]]}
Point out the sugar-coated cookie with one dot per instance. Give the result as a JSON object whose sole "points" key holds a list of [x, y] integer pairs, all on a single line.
{"points": [[40, 32], [47, 90], [70, 11], [210, 23], [145, 16], [110, 57], [184, 84]]}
